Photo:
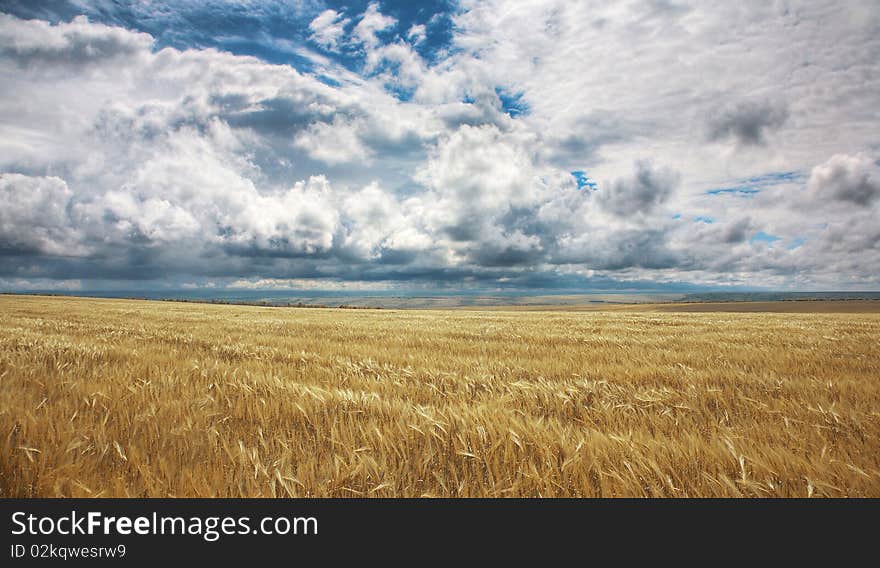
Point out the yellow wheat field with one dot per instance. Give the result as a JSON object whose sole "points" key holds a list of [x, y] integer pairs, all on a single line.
{"points": [[127, 398]]}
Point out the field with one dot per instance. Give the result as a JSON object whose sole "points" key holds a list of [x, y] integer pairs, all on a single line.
{"points": [[132, 398]]}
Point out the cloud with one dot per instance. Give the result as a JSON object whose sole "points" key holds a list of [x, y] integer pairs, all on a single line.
{"points": [[748, 122], [416, 34], [327, 29], [307, 284], [387, 155], [486, 194], [76, 43], [372, 21], [737, 231], [335, 142], [41, 284], [854, 243], [377, 224], [646, 190], [843, 193], [854, 180], [35, 218]]}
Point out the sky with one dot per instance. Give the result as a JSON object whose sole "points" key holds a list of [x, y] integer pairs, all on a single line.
{"points": [[443, 145]]}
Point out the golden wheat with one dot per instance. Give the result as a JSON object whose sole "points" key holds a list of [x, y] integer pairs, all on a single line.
{"points": [[129, 398]]}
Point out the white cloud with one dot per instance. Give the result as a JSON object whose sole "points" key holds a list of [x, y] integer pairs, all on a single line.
{"points": [[846, 189], [34, 217], [336, 142], [39, 284], [416, 34], [124, 160], [78, 42], [328, 28], [372, 21]]}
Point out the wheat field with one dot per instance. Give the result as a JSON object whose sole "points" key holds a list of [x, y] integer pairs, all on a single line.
{"points": [[132, 398]]}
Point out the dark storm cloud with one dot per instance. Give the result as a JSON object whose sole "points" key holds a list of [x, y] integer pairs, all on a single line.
{"points": [[738, 232], [847, 179], [647, 189], [626, 249], [580, 142], [491, 255], [278, 116], [747, 122]]}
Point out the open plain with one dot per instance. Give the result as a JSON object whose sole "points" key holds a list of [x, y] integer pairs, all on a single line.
{"points": [[135, 398]]}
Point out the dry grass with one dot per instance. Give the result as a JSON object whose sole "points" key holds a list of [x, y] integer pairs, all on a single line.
{"points": [[783, 307], [778, 306], [127, 398]]}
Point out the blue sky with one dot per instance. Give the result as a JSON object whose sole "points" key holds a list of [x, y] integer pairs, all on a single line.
{"points": [[491, 145], [267, 29]]}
